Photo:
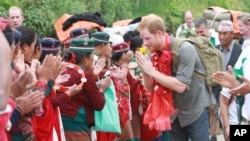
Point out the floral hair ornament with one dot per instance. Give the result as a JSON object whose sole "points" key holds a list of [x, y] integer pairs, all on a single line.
{"points": [[61, 88]]}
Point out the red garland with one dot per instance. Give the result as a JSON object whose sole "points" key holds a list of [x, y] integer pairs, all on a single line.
{"points": [[122, 94], [161, 107]]}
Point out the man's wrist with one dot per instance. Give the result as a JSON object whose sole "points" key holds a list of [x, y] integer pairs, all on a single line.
{"points": [[149, 72]]}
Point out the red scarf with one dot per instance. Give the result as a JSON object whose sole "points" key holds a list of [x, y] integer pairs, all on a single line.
{"points": [[43, 125], [161, 107]]}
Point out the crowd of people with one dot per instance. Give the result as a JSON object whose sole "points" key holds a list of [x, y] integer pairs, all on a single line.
{"points": [[52, 90]]}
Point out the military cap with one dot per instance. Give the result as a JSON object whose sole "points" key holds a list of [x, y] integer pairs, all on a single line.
{"points": [[101, 37], [79, 32], [82, 45], [17, 36], [50, 44], [120, 47]]}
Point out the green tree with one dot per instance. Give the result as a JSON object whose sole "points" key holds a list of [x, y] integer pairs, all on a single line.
{"points": [[112, 10], [4, 6], [172, 11], [41, 14]]}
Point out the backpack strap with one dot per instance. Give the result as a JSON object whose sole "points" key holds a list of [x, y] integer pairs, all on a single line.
{"points": [[183, 26], [175, 50], [176, 45]]}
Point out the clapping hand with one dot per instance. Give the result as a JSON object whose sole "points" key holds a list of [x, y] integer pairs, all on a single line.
{"points": [[98, 66], [19, 64], [62, 78], [50, 68], [73, 90], [128, 57], [19, 86], [30, 101], [104, 84]]}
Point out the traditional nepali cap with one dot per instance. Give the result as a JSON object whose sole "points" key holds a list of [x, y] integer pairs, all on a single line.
{"points": [[101, 37], [120, 47], [79, 32], [17, 36], [3, 23], [50, 44], [82, 45], [225, 26]]}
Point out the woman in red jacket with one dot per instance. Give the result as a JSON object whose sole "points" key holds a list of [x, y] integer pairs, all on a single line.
{"points": [[78, 111]]}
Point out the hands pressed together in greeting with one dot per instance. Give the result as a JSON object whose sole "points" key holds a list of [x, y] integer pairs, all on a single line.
{"points": [[144, 63]]}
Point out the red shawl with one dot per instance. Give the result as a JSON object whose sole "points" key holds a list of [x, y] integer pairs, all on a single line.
{"points": [[43, 125]]}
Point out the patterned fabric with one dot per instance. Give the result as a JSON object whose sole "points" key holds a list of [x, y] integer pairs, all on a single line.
{"points": [[88, 98], [127, 134], [134, 93], [76, 129], [239, 70], [77, 136], [23, 128], [43, 125], [4, 119], [135, 124], [122, 94], [25, 125]]}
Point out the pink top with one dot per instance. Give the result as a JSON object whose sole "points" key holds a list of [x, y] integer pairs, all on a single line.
{"points": [[4, 119]]}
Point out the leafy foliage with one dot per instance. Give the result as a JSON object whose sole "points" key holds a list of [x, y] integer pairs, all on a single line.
{"points": [[172, 11], [111, 10], [4, 6], [41, 14]]}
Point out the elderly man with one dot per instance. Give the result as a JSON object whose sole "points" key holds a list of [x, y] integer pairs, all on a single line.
{"points": [[188, 26], [15, 16]]}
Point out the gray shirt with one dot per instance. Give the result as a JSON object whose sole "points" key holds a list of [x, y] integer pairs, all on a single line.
{"points": [[226, 54], [191, 103]]}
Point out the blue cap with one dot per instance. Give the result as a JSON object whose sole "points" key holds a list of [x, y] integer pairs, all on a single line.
{"points": [[50, 44], [79, 32], [17, 36]]}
